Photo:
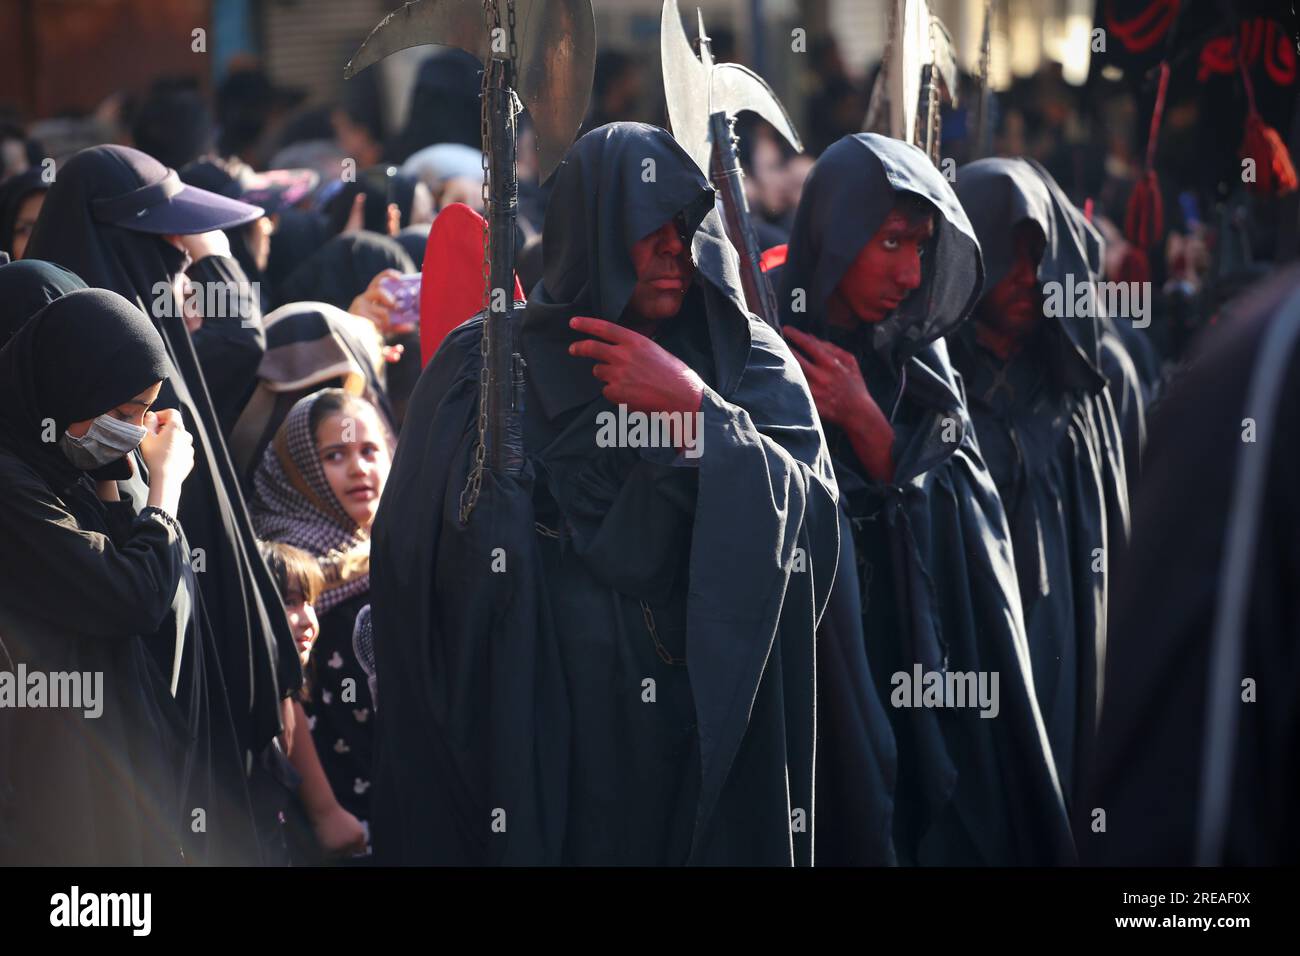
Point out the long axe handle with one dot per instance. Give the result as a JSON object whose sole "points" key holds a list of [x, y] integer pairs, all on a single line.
{"points": [[503, 392], [729, 179]]}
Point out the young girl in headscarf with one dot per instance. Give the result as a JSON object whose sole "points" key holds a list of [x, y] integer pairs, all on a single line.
{"points": [[318, 488]]}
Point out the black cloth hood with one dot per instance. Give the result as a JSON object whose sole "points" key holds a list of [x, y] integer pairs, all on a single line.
{"points": [[601, 205], [849, 192], [104, 255], [341, 269], [26, 287], [1000, 193], [82, 355]]}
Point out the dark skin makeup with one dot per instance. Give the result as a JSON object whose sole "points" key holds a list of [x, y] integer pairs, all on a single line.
{"points": [[638, 372], [885, 271], [1009, 312]]}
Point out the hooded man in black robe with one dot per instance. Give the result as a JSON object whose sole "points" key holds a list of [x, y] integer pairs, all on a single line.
{"points": [[611, 661], [1049, 432], [1196, 759], [106, 219], [882, 264]]}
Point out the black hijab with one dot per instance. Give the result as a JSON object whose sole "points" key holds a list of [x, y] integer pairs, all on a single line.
{"points": [[299, 233], [28, 286], [105, 255], [240, 597], [864, 173], [80, 356], [380, 189], [341, 269], [12, 193], [444, 104]]}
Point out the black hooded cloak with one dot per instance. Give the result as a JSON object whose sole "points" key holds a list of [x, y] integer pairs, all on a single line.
{"points": [[533, 715], [934, 567], [254, 649], [1049, 432], [1196, 755], [340, 270]]}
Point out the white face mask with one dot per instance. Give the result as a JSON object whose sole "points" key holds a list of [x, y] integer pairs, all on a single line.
{"points": [[107, 440]]}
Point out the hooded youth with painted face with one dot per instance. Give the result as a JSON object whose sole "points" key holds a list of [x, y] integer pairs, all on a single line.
{"points": [[882, 264], [611, 660], [1049, 432]]}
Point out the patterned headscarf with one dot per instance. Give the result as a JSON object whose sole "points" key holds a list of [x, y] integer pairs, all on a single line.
{"points": [[293, 502]]}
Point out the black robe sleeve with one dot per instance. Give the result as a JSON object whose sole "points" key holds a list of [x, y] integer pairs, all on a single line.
{"points": [[118, 591]]}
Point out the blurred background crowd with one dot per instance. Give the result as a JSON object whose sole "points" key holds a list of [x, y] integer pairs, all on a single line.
{"points": [[260, 84]]}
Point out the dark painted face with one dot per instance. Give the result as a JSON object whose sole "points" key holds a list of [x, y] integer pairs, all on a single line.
{"points": [[1014, 305], [887, 268], [663, 274]]}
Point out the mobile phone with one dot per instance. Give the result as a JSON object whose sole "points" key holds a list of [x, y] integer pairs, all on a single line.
{"points": [[405, 290]]}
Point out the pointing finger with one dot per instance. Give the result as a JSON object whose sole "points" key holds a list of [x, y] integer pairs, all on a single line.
{"points": [[591, 348], [601, 329]]}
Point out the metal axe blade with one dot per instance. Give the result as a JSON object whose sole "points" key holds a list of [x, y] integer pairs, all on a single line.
{"points": [[686, 84], [556, 41], [736, 88], [727, 88]]}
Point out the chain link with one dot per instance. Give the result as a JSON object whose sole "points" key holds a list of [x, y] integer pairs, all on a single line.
{"points": [[474, 483], [665, 655]]}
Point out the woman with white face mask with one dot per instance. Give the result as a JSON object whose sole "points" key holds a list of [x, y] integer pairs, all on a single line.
{"points": [[92, 592]]}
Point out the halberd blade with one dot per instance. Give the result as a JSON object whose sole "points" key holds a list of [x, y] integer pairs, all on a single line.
{"points": [[556, 43]]}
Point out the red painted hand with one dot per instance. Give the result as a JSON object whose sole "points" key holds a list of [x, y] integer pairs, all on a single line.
{"points": [[636, 371]]}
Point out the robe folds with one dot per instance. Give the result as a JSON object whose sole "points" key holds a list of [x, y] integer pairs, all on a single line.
{"points": [[1048, 427], [933, 565], [612, 660]]}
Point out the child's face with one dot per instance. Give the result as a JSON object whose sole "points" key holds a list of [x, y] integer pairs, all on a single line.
{"points": [[356, 459], [302, 621]]}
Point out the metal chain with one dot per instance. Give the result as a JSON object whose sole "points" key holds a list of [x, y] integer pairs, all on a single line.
{"points": [[647, 615], [474, 482], [935, 121], [664, 654]]}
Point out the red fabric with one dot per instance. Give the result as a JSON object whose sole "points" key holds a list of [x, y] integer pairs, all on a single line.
{"points": [[1144, 219], [451, 289], [1134, 266], [772, 258], [1274, 172], [1145, 30]]}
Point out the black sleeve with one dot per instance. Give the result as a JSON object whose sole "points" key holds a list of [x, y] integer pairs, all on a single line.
{"points": [[231, 341], [77, 580]]}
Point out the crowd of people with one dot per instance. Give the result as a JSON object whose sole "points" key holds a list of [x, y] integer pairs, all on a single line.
{"points": [[922, 588]]}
